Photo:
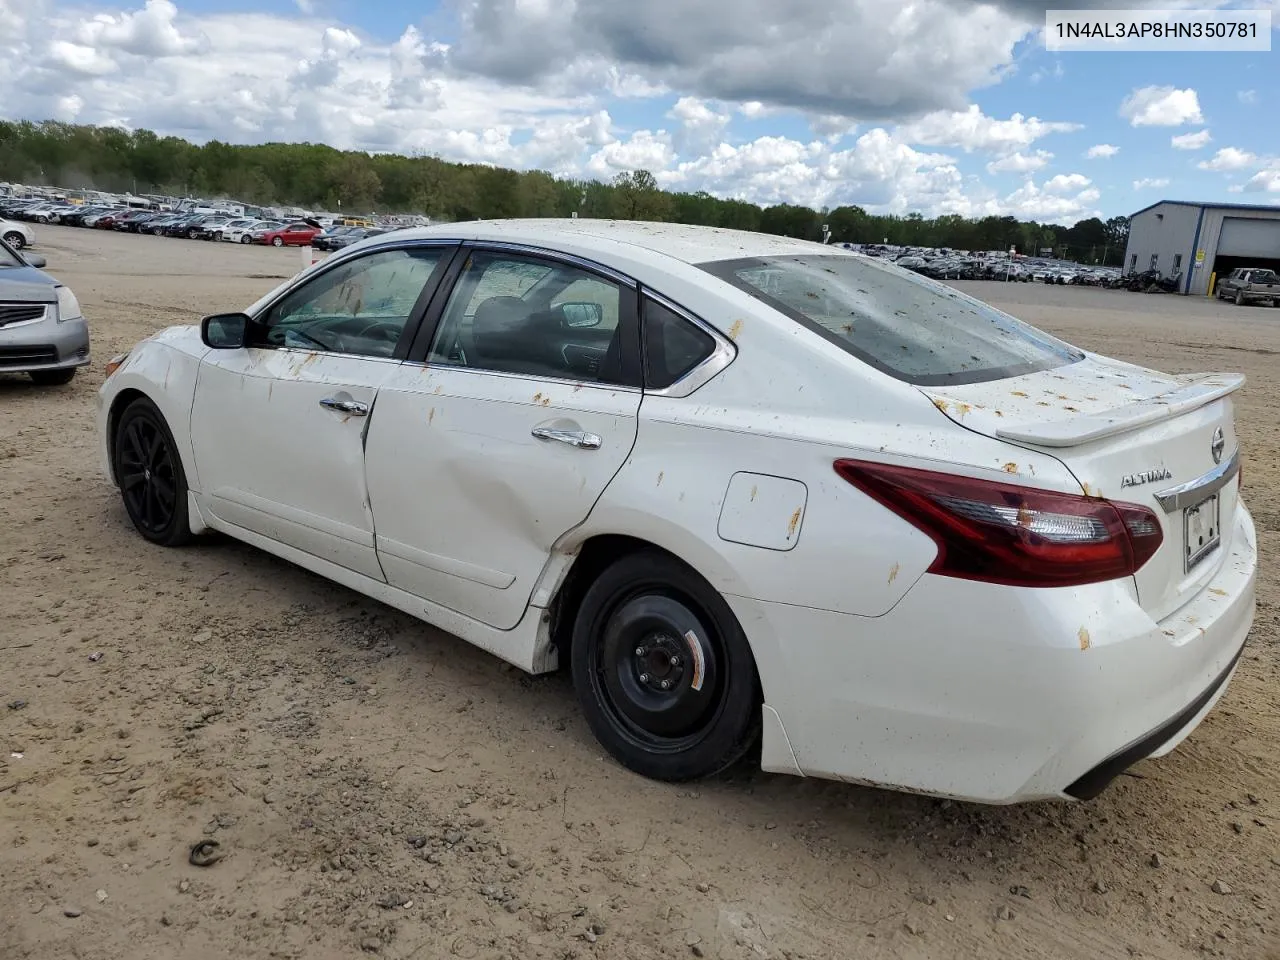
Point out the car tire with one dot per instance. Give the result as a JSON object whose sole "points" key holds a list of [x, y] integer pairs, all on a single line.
{"points": [[15, 240], [52, 378], [277, 241], [246, 239], [1239, 298], [145, 461], [650, 620]]}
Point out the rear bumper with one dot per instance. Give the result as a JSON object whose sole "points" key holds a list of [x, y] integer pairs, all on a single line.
{"points": [[999, 694], [46, 345]]}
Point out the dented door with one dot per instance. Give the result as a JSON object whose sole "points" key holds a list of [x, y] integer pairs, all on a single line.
{"points": [[474, 476]]}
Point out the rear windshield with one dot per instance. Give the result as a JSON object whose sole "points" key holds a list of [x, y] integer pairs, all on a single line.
{"points": [[908, 326]]}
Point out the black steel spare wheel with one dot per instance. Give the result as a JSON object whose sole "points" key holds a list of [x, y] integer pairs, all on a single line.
{"points": [[149, 473], [663, 670]]}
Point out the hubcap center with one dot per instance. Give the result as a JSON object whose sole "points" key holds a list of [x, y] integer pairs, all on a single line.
{"points": [[659, 662]]}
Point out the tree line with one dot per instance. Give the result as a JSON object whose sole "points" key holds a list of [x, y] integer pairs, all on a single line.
{"points": [[316, 176]]}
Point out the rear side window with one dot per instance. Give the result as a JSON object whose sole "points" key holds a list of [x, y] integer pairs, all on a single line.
{"points": [[908, 326], [673, 346]]}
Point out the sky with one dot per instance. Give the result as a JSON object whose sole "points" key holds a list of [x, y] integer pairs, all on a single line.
{"points": [[930, 106]]}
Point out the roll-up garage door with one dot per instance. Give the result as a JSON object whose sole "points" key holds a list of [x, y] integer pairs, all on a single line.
{"points": [[1249, 238]]}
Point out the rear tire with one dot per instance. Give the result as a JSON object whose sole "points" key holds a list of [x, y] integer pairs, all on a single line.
{"points": [[1239, 298], [648, 621], [53, 378], [15, 240], [149, 472]]}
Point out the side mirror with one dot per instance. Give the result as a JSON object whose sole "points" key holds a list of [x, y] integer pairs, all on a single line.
{"points": [[35, 260], [225, 331], [582, 314]]}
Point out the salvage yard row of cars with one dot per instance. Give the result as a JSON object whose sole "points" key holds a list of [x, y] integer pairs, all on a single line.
{"points": [[187, 225], [954, 265]]}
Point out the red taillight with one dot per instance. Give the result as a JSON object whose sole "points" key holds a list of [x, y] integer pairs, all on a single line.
{"points": [[1019, 536]]}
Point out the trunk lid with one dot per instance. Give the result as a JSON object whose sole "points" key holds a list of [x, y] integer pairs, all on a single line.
{"points": [[1128, 434]]}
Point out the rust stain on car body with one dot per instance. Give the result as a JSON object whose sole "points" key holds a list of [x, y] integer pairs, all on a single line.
{"points": [[893, 572], [735, 329], [793, 523], [941, 404], [1085, 641], [1010, 467]]}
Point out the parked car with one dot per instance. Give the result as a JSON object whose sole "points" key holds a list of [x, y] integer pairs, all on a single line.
{"points": [[295, 234], [589, 449], [16, 235], [42, 331], [325, 239], [219, 231], [246, 234], [1249, 285]]}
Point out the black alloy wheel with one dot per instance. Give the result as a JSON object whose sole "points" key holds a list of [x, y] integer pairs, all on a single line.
{"points": [[663, 670], [150, 476]]}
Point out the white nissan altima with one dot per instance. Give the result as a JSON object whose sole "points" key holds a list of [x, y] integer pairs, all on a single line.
{"points": [[752, 490]]}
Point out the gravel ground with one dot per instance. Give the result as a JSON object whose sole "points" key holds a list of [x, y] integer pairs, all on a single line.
{"points": [[378, 786]]}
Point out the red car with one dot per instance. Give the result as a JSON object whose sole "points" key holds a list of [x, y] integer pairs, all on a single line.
{"points": [[293, 234]]}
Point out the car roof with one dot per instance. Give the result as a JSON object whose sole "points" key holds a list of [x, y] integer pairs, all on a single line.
{"points": [[683, 242]]}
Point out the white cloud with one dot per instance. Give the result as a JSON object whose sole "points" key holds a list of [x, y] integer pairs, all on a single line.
{"points": [[970, 129], [702, 125], [1161, 107], [643, 150], [306, 6], [1101, 151], [1067, 183], [149, 32], [1020, 162], [1247, 96], [1150, 183], [1227, 159], [1191, 141], [1267, 181]]}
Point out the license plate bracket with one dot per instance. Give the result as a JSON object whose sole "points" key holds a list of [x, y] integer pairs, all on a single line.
{"points": [[1201, 531]]}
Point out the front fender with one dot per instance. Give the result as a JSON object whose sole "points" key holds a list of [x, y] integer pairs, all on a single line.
{"points": [[164, 369]]}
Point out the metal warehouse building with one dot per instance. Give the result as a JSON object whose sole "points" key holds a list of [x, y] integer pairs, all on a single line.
{"points": [[1200, 240]]}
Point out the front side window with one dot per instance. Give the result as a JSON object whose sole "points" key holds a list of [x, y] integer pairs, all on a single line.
{"points": [[360, 307], [514, 314], [908, 326]]}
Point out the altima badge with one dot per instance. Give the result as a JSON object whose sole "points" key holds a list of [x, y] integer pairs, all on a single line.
{"points": [[1217, 445], [1146, 476]]}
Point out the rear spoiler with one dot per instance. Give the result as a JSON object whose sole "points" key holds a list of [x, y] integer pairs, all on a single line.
{"points": [[1196, 392]]}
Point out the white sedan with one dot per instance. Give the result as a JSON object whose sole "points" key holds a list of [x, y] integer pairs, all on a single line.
{"points": [[757, 493]]}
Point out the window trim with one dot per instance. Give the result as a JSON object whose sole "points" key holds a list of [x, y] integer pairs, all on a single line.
{"points": [[628, 313], [723, 353], [420, 306]]}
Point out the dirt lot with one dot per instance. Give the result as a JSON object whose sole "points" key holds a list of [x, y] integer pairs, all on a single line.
{"points": [[379, 786]]}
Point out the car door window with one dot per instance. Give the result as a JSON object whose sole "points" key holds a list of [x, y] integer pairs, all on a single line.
{"points": [[513, 314], [360, 307]]}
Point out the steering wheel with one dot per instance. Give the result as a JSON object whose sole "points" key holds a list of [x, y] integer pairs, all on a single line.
{"points": [[383, 330]]}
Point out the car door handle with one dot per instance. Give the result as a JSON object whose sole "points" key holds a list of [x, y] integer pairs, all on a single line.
{"points": [[575, 438], [352, 408]]}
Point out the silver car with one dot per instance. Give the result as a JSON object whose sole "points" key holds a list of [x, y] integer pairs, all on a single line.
{"points": [[42, 331]]}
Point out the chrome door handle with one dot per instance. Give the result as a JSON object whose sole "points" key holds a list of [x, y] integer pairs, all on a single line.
{"points": [[575, 438], [352, 408]]}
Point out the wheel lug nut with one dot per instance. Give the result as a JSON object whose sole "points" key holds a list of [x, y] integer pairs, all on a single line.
{"points": [[641, 651], [666, 684], [644, 678], [675, 661]]}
